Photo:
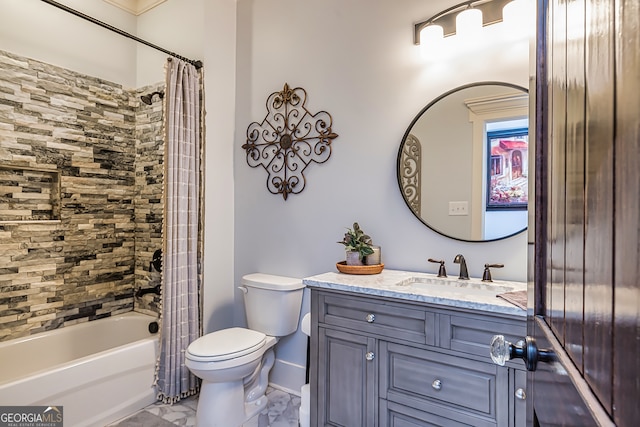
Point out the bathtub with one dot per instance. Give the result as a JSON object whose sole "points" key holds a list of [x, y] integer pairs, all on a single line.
{"points": [[98, 371]]}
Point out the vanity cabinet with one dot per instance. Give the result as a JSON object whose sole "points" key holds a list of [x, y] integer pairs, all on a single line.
{"points": [[348, 378], [388, 363]]}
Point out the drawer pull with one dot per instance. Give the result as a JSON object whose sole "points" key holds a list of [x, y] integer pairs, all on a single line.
{"points": [[370, 356], [520, 394], [371, 318], [437, 384]]}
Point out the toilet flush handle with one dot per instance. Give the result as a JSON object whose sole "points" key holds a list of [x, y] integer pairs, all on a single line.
{"points": [[243, 289]]}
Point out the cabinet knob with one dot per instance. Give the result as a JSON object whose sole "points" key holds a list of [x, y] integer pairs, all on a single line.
{"points": [[520, 394], [371, 318], [370, 356], [436, 384]]}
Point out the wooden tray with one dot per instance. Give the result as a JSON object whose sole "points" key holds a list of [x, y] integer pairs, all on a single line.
{"points": [[359, 269]]}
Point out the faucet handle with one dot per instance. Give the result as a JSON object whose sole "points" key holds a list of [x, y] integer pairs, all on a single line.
{"points": [[442, 272], [486, 276]]}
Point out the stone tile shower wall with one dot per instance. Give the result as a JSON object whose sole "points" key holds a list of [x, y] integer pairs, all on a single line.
{"points": [[70, 173], [149, 203]]}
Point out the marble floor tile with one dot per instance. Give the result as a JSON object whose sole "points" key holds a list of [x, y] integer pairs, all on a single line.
{"points": [[281, 411]]}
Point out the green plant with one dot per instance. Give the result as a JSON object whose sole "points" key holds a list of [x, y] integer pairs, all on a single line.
{"points": [[356, 240]]}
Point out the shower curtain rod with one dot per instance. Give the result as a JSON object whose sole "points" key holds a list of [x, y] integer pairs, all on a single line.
{"points": [[195, 63]]}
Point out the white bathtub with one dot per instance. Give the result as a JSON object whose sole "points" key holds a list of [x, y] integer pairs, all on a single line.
{"points": [[98, 371]]}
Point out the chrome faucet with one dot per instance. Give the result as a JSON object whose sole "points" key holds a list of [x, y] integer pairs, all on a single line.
{"points": [[464, 274]]}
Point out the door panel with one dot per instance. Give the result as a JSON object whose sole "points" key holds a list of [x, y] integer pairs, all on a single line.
{"points": [[626, 362], [559, 390], [557, 155], [585, 280], [575, 187], [598, 245]]}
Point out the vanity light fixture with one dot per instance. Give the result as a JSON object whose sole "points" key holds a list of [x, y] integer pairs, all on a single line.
{"points": [[458, 19]]}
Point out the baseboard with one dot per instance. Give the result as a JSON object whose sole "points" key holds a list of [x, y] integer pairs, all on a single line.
{"points": [[287, 376]]}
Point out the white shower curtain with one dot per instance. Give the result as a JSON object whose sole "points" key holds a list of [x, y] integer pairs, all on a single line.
{"points": [[180, 316]]}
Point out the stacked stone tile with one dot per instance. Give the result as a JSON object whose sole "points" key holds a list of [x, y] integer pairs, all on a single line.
{"points": [[149, 199], [80, 187]]}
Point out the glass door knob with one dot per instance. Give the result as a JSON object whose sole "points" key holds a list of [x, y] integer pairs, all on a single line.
{"points": [[499, 350], [502, 350]]}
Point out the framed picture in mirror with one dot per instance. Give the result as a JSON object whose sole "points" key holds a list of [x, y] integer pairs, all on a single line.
{"points": [[507, 169]]}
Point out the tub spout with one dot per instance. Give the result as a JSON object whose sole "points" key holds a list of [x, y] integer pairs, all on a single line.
{"points": [[156, 262]]}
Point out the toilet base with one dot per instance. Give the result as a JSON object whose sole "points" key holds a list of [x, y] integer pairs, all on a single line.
{"points": [[231, 403], [223, 405], [251, 409]]}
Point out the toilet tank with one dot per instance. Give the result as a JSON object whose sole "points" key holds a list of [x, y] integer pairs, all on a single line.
{"points": [[272, 303]]}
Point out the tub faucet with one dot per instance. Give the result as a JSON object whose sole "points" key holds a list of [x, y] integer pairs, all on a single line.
{"points": [[155, 290], [464, 274]]}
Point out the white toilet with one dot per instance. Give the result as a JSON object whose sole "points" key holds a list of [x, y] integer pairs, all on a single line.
{"points": [[234, 363]]}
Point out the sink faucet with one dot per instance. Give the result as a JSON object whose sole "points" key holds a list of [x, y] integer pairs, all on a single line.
{"points": [[464, 274], [442, 271]]}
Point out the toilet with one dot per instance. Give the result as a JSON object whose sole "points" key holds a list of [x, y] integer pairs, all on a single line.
{"points": [[234, 363]]}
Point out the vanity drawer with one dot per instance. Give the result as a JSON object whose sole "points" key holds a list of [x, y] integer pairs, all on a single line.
{"points": [[395, 415], [472, 334], [439, 383], [377, 317]]}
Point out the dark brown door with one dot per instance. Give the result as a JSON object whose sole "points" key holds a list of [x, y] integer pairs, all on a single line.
{"points": [[585, 234]]}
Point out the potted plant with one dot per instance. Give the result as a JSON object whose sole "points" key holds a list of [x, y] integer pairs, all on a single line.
{"points": [[357, 244]]}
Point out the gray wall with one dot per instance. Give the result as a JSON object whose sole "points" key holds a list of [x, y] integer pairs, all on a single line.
{"points": [[357, 61]]}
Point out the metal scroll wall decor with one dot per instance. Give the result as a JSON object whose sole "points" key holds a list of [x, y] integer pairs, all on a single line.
{"points": [[288, 140], [411, 173]]}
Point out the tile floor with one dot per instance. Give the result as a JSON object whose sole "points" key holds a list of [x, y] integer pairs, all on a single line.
{"points": [[281, 411]]}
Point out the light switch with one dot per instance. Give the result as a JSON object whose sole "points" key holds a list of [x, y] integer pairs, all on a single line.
{"points": [[458, 208]]}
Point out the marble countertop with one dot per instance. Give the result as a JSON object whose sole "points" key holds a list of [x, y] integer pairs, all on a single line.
{"points": [[424, 287]]}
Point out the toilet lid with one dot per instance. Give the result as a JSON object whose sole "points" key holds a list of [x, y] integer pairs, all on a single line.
{"points": [[227, 344]]}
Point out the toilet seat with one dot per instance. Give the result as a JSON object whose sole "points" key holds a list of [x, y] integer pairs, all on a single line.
{"points": [[225, 344]]}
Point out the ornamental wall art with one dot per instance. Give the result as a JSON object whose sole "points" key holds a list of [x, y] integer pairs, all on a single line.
{"points": [[289, 139]]}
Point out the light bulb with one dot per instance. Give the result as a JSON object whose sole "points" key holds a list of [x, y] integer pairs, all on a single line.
{"points": [[518, 11], [431, 35], [469, 22], [519, 16]]}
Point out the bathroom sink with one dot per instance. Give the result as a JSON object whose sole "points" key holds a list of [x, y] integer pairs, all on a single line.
{"points": [[472, 294], [454, 285]]}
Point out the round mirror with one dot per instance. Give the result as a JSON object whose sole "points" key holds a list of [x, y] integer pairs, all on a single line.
{"points": [[463, 162]]}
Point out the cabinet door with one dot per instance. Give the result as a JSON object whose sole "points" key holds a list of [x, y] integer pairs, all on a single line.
{"points": [[346, 379], [518, 389]]}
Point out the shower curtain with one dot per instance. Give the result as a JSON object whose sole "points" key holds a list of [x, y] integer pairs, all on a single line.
{"points": [[180, 314]]}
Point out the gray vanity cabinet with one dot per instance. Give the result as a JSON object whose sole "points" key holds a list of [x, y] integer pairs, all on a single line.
{"points": [[348, 378], [382, 363]]}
